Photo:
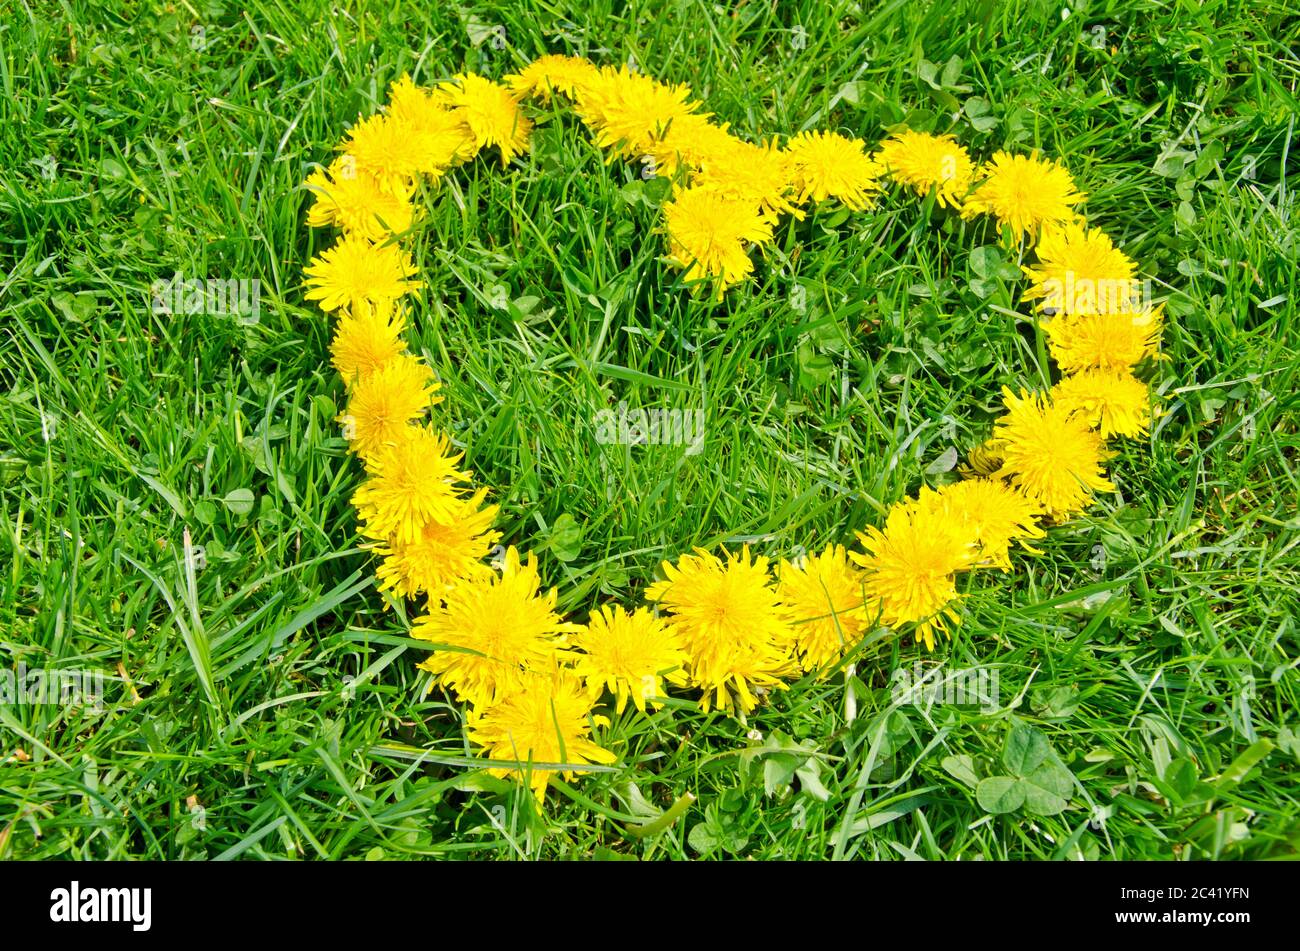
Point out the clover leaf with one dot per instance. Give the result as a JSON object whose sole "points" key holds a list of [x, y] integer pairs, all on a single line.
{"points": [[1037, 782]]}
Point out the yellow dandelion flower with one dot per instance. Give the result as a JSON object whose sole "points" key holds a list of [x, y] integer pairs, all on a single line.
{"points": [[924, 162], [412, 481], [990, 514], [490, 631], [384, 403], [824, 599], [910, 569], [552, 73], [708, 233], [491, 113], [541, 728], [734, 631], [359, 275], [442, 554], [690, 141], [1024, 192], [1050, 453], [366, 340], [1104, 341], [437, 132], [383, 147], [631, 654], [1080, 271], [628, 110], [356, 202], [828, 165], [757, 174], [1116, 401]]}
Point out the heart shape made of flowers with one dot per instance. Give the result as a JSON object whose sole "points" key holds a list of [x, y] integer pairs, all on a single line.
{"points": [[733, 625]]}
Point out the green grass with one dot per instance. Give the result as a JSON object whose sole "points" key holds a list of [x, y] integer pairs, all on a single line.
{"points": [[279, 711]]}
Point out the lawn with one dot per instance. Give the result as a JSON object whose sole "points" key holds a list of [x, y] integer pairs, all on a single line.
{"points": [[175, 489]]}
